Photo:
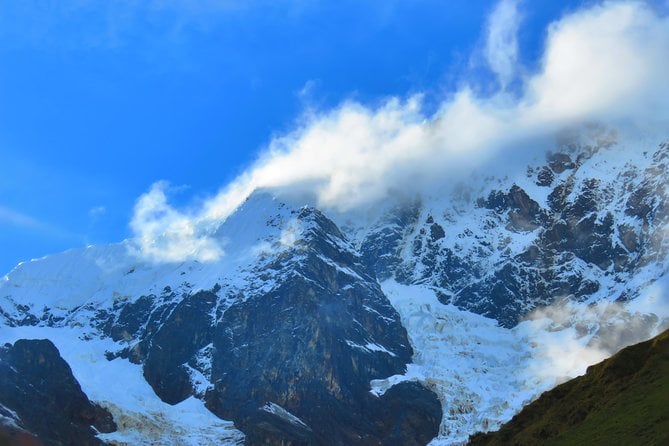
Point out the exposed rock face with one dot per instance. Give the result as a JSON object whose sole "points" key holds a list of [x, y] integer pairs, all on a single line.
{"points": [[10, 436], [311, 345], [38, 391], [561, 231], [187, 329]]}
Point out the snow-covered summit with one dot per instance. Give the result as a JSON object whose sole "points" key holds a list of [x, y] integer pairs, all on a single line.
{"points": [[100, 275]]}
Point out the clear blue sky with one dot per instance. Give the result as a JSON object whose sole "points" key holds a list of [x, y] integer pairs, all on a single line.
{"points": [[98, 100]]}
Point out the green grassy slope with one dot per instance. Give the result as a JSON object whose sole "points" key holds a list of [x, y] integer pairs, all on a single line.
{"points": [[623, 400]]}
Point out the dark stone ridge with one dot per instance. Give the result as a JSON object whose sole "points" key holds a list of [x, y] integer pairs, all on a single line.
{"points": [[38, 386], [559, 162], [11, 435], [310, 346], [381, 250], [173, 347], [288, 348], [545, 177], [524, 214]]}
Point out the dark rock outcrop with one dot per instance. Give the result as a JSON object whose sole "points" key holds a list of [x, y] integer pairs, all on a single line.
{"points": [[310, 347], [187, 329], [37, 385], [290, 355], [287, 342]]}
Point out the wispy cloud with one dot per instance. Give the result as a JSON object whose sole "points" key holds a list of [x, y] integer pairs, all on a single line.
{"points": [[605, 63], [501, 50], [165, 234], [89, 24], [18, 219], [97, 211], [568, 336]]}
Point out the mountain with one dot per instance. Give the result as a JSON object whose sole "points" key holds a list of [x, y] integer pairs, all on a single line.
{"points": [[622, 400], [425, 319], [289, 336]]}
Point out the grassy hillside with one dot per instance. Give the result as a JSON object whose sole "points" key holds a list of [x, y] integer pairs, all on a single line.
{"points": [[623, 400]]}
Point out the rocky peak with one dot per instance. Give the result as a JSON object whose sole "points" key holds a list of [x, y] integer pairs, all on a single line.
{"points": [[286, 331], [279, 352]]}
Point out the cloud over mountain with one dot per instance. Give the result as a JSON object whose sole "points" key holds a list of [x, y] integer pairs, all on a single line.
{"points": [[606, 63]]}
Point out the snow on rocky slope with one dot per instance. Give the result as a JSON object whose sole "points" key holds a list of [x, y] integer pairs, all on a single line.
{"points": [[289, 318], [589, 223], [63, 296], [484, 373], [118, 385]]}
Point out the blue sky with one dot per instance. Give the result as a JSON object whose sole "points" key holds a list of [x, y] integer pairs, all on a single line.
{"points": [[99, 100]]}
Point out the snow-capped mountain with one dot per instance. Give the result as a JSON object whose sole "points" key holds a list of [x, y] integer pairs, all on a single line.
{"points": [[589, 224], [439, 317]]}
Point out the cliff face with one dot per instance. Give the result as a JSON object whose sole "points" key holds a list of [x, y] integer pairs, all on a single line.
{"points": [[286, 345], [41, 402], [290, 360]]}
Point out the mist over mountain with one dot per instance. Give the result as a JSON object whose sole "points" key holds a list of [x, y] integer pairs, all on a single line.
{"points": [[620, 400]]}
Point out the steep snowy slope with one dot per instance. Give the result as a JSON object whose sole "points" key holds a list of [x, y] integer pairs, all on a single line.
{"points": [[622, 400], [485, 373], [39, 394], [53, 289], [118, 385]]}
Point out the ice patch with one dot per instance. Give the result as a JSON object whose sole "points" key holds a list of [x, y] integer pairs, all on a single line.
{"points": [[283, 413], [370, 347]]}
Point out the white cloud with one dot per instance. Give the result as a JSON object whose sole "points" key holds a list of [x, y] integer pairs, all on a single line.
{"points": [[24, 221], [501, 50], [567, 337], [97, 211], [605, 63], [608, 61], [20, 219], [165, 234]]}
